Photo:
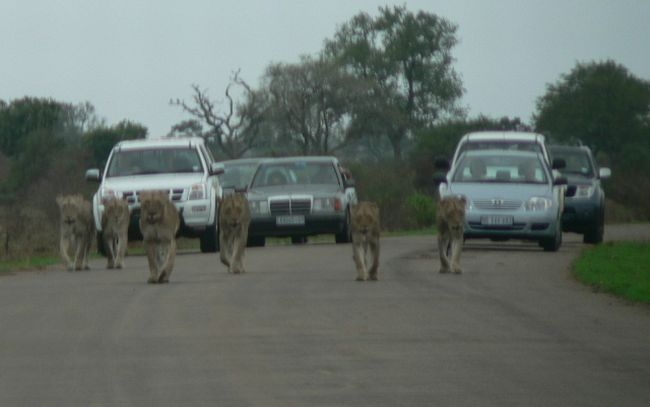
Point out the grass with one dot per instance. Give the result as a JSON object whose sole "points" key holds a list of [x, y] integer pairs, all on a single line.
{"points": [[622, 269], [31, 263]]}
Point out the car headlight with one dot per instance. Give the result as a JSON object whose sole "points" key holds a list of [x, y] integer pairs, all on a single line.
{"points": [[258, 207], [584, 191], [197, 191], [327, 204], [538, 204]]}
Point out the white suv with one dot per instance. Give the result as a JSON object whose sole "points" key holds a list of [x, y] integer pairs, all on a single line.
{"points": [[182, 166]]}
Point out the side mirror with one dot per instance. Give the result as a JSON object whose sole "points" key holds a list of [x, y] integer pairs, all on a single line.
{"points": [[570, 191], [558, 163], [93, 175], [217, 169], [604, 173], [441, 164]]}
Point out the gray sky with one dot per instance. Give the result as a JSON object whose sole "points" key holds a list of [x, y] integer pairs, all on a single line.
{"points": [[130, 57]]}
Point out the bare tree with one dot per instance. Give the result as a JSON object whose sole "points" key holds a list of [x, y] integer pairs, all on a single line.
{"points": [[235, 128]]}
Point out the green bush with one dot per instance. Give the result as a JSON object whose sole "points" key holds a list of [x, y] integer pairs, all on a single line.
{"points": [[422, 209]]}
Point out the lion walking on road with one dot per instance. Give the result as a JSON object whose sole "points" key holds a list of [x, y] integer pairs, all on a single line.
{"points": [[77, 231], [234, 218], [450, 223], [364, 222], [159, 223], [115, 229]]}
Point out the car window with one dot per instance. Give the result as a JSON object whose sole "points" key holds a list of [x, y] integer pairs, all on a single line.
{"points": [[299, 172], [237, 175], [154, 161], [577, 162], [500, 169]]}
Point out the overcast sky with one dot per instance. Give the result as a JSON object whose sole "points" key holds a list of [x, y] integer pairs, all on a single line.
{"points": [[128, 58]]}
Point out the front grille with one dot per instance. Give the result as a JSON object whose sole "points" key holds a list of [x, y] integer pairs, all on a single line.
{"points": [[504, 204], [134, 196], [290, 207]]}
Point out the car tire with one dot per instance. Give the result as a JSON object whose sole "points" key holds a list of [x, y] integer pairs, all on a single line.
{"points": [[210, 239], [298, 239], [256, 241], [552, 244], [595, 235], [345, 236]]}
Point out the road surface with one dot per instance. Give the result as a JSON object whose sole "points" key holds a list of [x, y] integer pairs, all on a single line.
{"points": [[297, 330]]}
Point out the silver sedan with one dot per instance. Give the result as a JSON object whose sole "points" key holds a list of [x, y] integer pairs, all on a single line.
{"points": [[510, 195]]}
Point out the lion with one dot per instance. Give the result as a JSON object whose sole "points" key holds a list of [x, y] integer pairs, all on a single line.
{"points": [[364, 222], [450, 222], [77, 231], [115, 229], [234, 218], [159, 223]]}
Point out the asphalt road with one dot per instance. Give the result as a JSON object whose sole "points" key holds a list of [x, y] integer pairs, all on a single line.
{"points": [[297, 330]]}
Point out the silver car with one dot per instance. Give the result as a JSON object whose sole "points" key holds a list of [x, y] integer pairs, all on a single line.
{"points": [[510, 195], [298, 197]]}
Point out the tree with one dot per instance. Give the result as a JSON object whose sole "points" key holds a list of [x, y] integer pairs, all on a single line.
{"points": [[408, 58], [236, 128], [601, 104], [311, 104]]}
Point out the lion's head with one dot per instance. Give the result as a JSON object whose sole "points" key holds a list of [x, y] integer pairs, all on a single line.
{"points": [[153, 206], [451, 211], [234, 210], [365, 217]]}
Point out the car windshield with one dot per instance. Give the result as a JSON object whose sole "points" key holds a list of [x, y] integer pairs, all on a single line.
{"points": [[501, 145], [159, 161], [293, 173], [237, 175], [500, 168], [577, 162]]}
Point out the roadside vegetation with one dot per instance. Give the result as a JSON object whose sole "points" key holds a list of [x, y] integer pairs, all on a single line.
{"points": [[621, 268]]}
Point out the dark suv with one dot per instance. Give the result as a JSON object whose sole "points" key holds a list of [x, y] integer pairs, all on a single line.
{"points": [[584, 204]]}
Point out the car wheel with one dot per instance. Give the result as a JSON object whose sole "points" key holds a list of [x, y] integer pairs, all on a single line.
{"points": [[298, 239], [345, 236], [210, 239], [552, 244], [595, 235], [256, 241]]}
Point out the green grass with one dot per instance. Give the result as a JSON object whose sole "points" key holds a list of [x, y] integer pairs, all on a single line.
{"points": [[622, 269], [31, 263]]}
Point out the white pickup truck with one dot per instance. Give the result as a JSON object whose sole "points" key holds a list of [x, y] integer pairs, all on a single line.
{"points": [[182, 166]]}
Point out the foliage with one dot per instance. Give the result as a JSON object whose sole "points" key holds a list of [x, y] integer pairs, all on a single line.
{"points": [[621, 268], [311, 104], [407, 57], [423, 209], [388, 184], [601, 104], [235, 129]]}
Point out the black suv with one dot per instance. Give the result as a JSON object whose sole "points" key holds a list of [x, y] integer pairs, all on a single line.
{"points": [[584, 203]]}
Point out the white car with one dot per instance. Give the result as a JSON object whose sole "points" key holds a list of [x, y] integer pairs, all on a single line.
{"points": [[182, 166]]}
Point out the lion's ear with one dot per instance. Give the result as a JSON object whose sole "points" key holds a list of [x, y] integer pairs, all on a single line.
{"points": [[463, 200]]}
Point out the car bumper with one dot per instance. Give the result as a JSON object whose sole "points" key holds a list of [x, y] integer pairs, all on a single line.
{"points": [[531, 227], [313, 225]]}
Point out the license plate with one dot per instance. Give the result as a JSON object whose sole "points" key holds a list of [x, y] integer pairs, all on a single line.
{"points": [[496, 220], [290, 220]]}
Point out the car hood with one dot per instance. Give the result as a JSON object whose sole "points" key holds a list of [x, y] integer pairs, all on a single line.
{"points": [[154, 181], [475, 190], [576, 179], [294, 189]]}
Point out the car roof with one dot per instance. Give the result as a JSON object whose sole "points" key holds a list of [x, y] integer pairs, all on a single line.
{"points": [[502, 153], [159, 142], [503, 135], [307, 158], [249, 160]]}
